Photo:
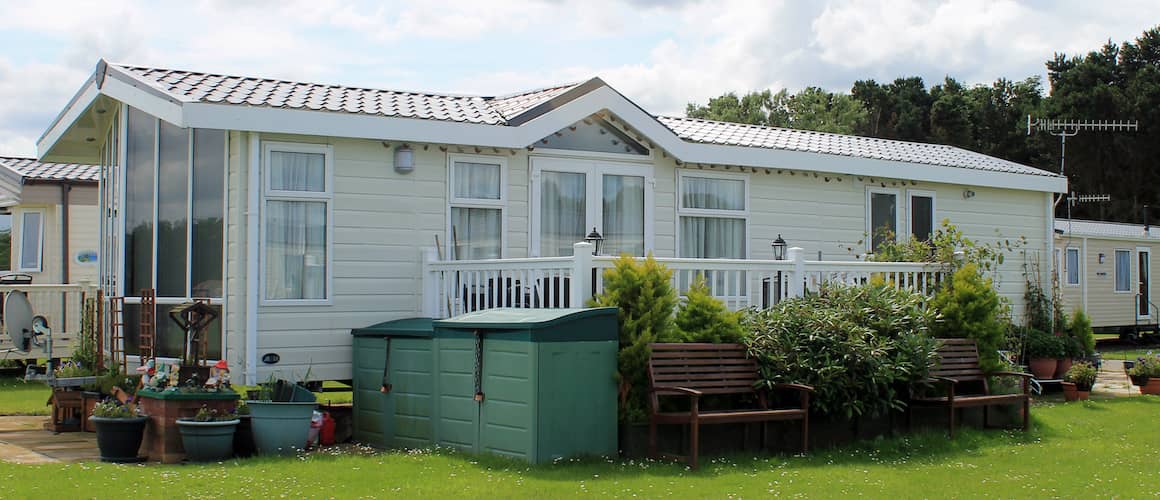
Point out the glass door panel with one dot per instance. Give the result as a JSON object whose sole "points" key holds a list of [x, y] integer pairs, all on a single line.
{"points": [[563, 212], [622, 215], [1145, 297]]}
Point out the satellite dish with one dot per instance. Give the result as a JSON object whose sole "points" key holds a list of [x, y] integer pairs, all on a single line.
{"points": [[18, 320]]}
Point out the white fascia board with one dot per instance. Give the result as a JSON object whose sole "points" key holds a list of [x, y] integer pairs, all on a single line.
{"points": [[72, 111], [322, 123], [131, 91]]}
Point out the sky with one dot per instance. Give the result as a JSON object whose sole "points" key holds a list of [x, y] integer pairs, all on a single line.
{"points": [[661, 54]]}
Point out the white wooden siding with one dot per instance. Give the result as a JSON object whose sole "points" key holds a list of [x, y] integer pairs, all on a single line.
{"points": [[83, 228], [1105, 306]]}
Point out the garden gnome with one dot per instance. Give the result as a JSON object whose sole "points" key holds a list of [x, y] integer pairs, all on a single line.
{"points": [[219, 375], [160, 377], [147, 371], [174, 375]]}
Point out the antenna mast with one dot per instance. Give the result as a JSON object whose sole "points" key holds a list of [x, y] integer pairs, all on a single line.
{"points": [[1070, 128]]}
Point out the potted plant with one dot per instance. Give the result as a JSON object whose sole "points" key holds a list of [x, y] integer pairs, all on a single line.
{"points": [[1146, 374], [209, 435], [1043, 351], [120, 428], [244, 435], [1080, 377], [280, 417]]}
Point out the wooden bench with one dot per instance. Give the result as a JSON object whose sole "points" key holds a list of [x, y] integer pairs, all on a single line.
{"points": [[696, 370], [958, 370]]}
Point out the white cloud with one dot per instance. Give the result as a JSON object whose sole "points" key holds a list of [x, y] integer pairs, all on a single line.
{"points": [[661, 54]]}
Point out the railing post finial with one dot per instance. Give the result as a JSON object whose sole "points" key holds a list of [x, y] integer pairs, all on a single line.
{"points": [[796, 255]]}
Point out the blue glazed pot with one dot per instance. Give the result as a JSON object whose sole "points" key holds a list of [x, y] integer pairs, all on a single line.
{"points": [[280, 428], [207, 441]]}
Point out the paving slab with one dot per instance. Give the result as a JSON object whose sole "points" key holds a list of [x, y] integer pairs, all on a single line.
{"points": [[23, 440]]}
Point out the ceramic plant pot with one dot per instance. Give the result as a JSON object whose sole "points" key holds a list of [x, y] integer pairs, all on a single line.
{"points": [[1069, 392], [1043, 368], [280, 428], [1062, 366], [1152, 387], [207, 441], [119, 438]]}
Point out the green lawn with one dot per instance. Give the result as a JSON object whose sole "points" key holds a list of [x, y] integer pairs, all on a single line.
{"points": [[1129, 354], [23, 398], [1096, 449]]}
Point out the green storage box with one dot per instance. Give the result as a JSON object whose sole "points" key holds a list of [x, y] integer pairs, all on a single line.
{"points": [[545, 388], [400, 417]]}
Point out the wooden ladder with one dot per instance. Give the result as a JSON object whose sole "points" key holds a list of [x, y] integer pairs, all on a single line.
{"points": [[146, 341], [117, 333]]}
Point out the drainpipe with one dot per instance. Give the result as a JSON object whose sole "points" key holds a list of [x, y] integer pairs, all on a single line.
{"points": [[65, 187]]}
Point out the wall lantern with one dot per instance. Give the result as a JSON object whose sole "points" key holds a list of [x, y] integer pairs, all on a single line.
{"points": [[595, 238], [779, 246], [1102, 257], [404, 159]]}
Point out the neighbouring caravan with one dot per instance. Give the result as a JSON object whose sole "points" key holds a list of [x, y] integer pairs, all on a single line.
{"points": [[1105, 268]]}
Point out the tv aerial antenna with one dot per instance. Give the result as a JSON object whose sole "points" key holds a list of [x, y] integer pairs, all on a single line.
{"points": [[1071, 128]]}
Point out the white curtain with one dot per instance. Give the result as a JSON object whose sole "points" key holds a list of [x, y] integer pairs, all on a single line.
{"points": [[296, 230], [30, 241], [623, 215], [562, 212], [291, 171], [476, 233], [713, 194], [477, 180], [1123, 271]]}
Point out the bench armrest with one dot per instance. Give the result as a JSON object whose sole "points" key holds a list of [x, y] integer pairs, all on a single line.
{"points": [[795, 387], [682, 390], [942, 379]]}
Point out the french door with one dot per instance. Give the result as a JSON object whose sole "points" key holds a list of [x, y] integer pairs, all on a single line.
{"points": [[571, 197]]}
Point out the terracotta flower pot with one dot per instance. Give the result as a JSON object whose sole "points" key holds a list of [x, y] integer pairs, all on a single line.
{"points": [[1083, 395], [1043, 368], [1152, 387], [1069, 392], [1063, 365]]}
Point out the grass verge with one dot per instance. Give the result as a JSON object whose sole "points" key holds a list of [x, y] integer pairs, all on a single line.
{"points": [[1097, 448], [18, 397]]}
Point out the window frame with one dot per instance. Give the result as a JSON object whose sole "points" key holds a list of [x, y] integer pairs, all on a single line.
{"points": [[39, 242], [501, 204], [920, 193], [709, 213], [869, 209], [594, 169], [325, 196], [1115, 270], [1067, 266]]}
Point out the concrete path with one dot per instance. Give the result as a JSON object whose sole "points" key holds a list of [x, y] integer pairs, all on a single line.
{"points": [[1112, 381], [23, 440]]}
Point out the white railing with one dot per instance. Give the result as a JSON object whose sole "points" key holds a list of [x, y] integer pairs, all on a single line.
{"points": [[451, 288], [61, 305]]}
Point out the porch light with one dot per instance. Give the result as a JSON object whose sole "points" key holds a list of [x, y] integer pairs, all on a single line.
{"points": [[595, 238], [404, 159], [779, 246]]}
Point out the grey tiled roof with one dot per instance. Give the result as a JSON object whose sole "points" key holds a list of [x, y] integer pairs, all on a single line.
{"points": [[1105, 229], [264, 92], [739, 134], [32, 169]]}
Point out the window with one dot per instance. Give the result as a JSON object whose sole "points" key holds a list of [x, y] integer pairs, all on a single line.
{"points": [[921, 214], [881, 216], [713, 213], [31, 241], [296, 229], [171, 195], [478, 186], [1072, 266], [1123, 270], [571, 197]]}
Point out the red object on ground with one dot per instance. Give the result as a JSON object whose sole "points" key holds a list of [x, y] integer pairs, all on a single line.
{"points": [[326, 435]]}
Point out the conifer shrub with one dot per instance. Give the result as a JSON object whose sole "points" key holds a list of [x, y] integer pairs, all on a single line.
{"points": [[1081, 338], [970, 308], [645, 297], [703, 318]]}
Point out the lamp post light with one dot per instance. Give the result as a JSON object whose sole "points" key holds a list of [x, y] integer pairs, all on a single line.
{"points": [[779, 245], [595, 238]]}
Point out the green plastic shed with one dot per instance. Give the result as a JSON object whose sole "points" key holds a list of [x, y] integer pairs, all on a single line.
{"points": [[392, 400], [534, 384]]}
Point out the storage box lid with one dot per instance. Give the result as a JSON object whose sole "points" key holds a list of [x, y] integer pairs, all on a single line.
{"points": [[539, 319], [407, 327]]}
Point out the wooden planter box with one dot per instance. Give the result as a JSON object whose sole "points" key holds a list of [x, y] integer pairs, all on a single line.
{"points": [[67, 410], [163, 437]]}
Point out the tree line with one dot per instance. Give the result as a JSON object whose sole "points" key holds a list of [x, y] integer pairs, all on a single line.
{"points": [[1115, 82]]}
